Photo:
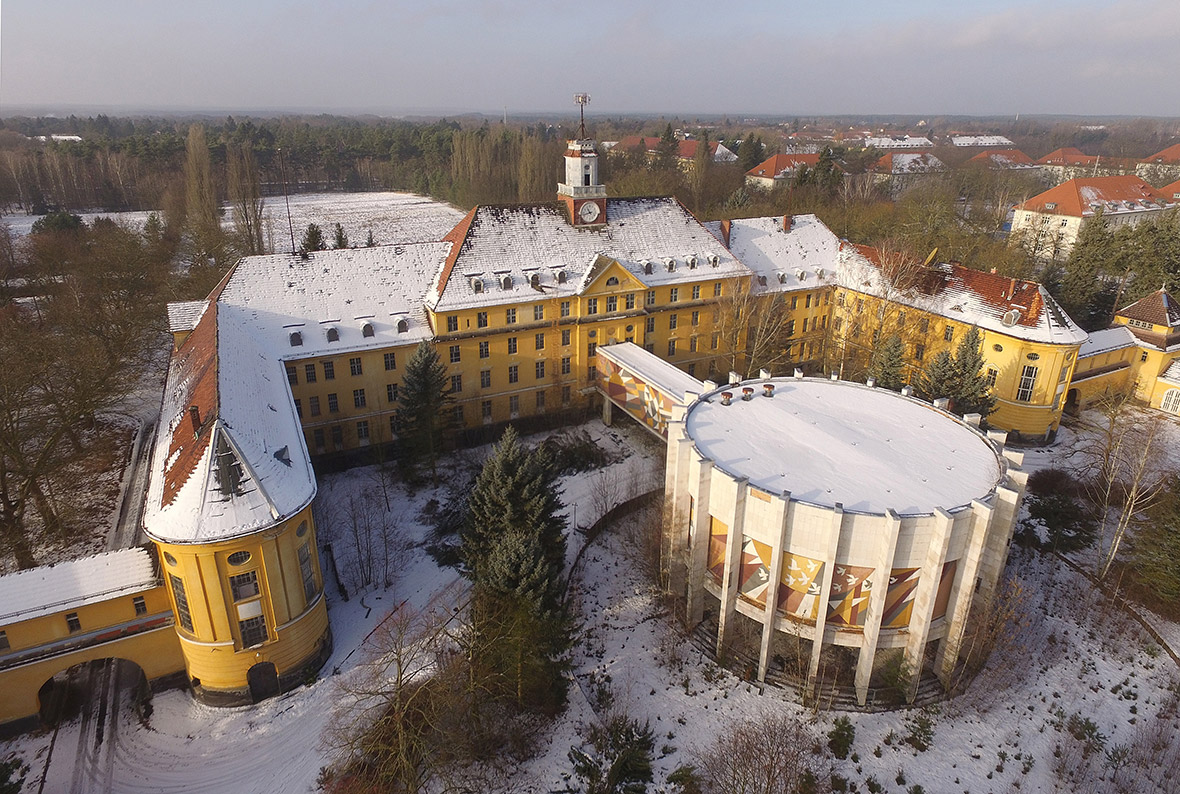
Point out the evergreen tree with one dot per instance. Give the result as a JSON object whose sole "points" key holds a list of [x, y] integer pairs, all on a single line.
{"points": [[339, 238], [422, 399], [885, 365], [313, 238], [666, 150], [750, 152], [1085, 291], [701, 162], [370, 241], [1156, 549], [940, 378], [972, 395]]}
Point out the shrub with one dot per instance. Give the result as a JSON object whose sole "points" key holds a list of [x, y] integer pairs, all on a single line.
{"points": [[840, 737]]}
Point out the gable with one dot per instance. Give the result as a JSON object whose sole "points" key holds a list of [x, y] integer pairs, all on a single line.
{"points": [[607, 276]]}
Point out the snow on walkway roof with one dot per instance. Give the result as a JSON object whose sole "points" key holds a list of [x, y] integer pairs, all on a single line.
{"points": [[1107, 340], [830, 442], [652, 369], [67, 585]]}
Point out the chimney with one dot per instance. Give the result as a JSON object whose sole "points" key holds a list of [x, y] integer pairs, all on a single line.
{"points": [[907, 391], [1012, 290], [726, 396], [194, 415], [734, 378], [788, 222], [798, 374], [747, 393], [767, 389], [942, 404], [992, 271], [764, 374], [835, 376], [726, 225]]}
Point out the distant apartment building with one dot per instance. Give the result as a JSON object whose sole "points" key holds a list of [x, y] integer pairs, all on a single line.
{"points": [[898, 142], [779, 169], [993, 141], [1163, 166], [1067, 163]]}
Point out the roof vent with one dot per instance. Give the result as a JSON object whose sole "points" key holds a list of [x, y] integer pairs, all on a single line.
{"points": [[296, 339], [747, 393], [403, 325], [477, 285], [726, 396], [333, 334], [767, 389], [283, 455], [1010, 318], [714, 260], [367, 330], [798, 374]]}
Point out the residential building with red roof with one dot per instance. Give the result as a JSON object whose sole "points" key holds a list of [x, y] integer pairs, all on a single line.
{"points": [[1048, 224], [1171, 192], [686, 150], [1163, 166], [1068, 163], [778, 169], [1005, 160]]}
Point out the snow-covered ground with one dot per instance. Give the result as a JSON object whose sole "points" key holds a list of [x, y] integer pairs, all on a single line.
{"points": [[392, 217], [1072, 656]]}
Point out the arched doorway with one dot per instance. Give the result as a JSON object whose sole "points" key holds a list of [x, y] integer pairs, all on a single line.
{"points": [[1171, 401], [263, 680], [95, 688], [1071, 402]]}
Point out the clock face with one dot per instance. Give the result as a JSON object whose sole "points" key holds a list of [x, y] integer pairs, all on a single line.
{"points": [[589, 212]]}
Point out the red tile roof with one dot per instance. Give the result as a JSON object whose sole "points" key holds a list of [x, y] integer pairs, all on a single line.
{"points": [[1067, 156], [195, 366], [1171, 156], [456, 237], [1158, 308], [775, 164], [1170, 192], [1078, 197], [1003, 156], [685, 150]]}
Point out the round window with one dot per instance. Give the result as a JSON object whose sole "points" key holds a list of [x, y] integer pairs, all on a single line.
{"points": [[238, 558], [168, 558], [998, 348], [1033, 356], [302, 530]]}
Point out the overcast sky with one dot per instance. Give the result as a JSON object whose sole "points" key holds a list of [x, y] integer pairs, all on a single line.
{"points": [[683, 56]]}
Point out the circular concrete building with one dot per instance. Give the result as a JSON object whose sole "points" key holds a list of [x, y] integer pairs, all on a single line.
{"points": [[833, 514]]}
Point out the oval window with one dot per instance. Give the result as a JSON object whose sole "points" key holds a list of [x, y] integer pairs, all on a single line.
{"points": [[238, 558], [1033, 356], [998, 348], [168, 558], [302, 530]]}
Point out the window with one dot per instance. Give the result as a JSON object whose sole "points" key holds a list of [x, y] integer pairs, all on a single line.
{"points": [[540, 370], [565, 308], [333, 404], [140, 605], [178, 593], [629, 300], [337, 437], [919, 352], [876, 334], [390, 361], [790, 327], [452, 323], [565, 395], [672, 322], [717, 290], [513, 373], [924, 324], [393, 425], [696, 318], [244, 585], [512, 344], [794, 302], [540, 401], [840, 299], [485, 379], [591, 349], [457, 414], [1028, 380], [309, 373], [310, 591], [4, 646], [650, 300], [612, 304], [358, 398], [510, 316], [856, 329], [651, 325], [454, 351], [481, 319], [565, 365], [1143, 356], [989, 377], [318, 439], [714, 341], [807, 302], [650, 347], [329, 370], [292, 375], [696, 292], [539, 342], [592, 372], [673, 294], [901, 319], [565, 336], [948, 333], [592, 306], [362, 431], [692, 345], [456, 384], [539, 312], [253, 631], [486, 409], [485, 349], [333, 334], [238, 558], [671, 347], [299, 408], [860, 305], [391, 392], [836, 323], [72, 622], [514, 404]]}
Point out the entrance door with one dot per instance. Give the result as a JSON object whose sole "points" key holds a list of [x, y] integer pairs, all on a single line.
{"points": [[263, 679]]}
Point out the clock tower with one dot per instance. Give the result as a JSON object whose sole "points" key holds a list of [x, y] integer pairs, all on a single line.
{"points": [[584, 197]]}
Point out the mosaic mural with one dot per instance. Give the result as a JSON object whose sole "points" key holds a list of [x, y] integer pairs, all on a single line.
{"points": [[899, 598], [943, 596], [633, 395], [755, 570], [848, 601], [718, 540], [799, 591]]}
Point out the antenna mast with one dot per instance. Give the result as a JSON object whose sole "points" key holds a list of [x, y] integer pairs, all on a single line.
{"points": [[582, 100]]}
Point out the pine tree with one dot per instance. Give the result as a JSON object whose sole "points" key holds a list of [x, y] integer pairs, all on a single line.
{"points": [[339, 238], [313, 238], [702, 160], [666, 150], [940, 378], [1086, 273], [421, 402], [972, 395], [885, 365], [1156, 549]]}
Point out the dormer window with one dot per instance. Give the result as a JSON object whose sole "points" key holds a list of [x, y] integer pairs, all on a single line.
{"points": [[647, 268], [714, 260], [535, 281], [692, 262], [333, 334], [367, 330], [561, 276], [762, 281], [477, 285], [1050, 205], [506, 282], [670, 263], [403, 325], [296, 339]]}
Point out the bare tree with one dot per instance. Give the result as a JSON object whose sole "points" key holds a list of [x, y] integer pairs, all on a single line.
{"points": [[245, 195], [753, 328], [767, 754]]}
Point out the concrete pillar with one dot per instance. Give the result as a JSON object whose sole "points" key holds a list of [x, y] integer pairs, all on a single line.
{"points": [[959, 609], [698, 554], [825, 593], [733, 559], [607, 405], [783, 508], [925, 594], [677, 495], [883, 569]]}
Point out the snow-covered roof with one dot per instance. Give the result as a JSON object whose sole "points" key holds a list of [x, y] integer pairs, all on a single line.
{"points": [[1020, 309], [899, 163], [980, 140], [1111, 195], [830, 442], [801, 254], [184, 315], [898, 142], [68, 585], [1172, 373], [653, 370], [1005, 159], [1104, 341], [519, 242]]}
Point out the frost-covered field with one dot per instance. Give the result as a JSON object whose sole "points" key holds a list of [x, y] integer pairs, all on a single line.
{"points": [[392, 217], [1074, 656]]}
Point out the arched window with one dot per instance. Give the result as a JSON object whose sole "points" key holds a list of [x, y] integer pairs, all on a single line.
{"points": [[613, 281], [296, 339], [506, 283], [333, 334], [1171, 401], [367, 330], [403, 326]]}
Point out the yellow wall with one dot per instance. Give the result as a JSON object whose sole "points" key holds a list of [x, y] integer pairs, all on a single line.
{"points": [[296, 627]]}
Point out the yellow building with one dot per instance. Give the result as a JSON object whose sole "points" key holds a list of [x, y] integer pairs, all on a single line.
{"points": [[53, 618]]}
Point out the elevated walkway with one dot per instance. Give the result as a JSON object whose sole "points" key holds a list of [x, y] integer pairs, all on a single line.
{"points": [[643, 386]]}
